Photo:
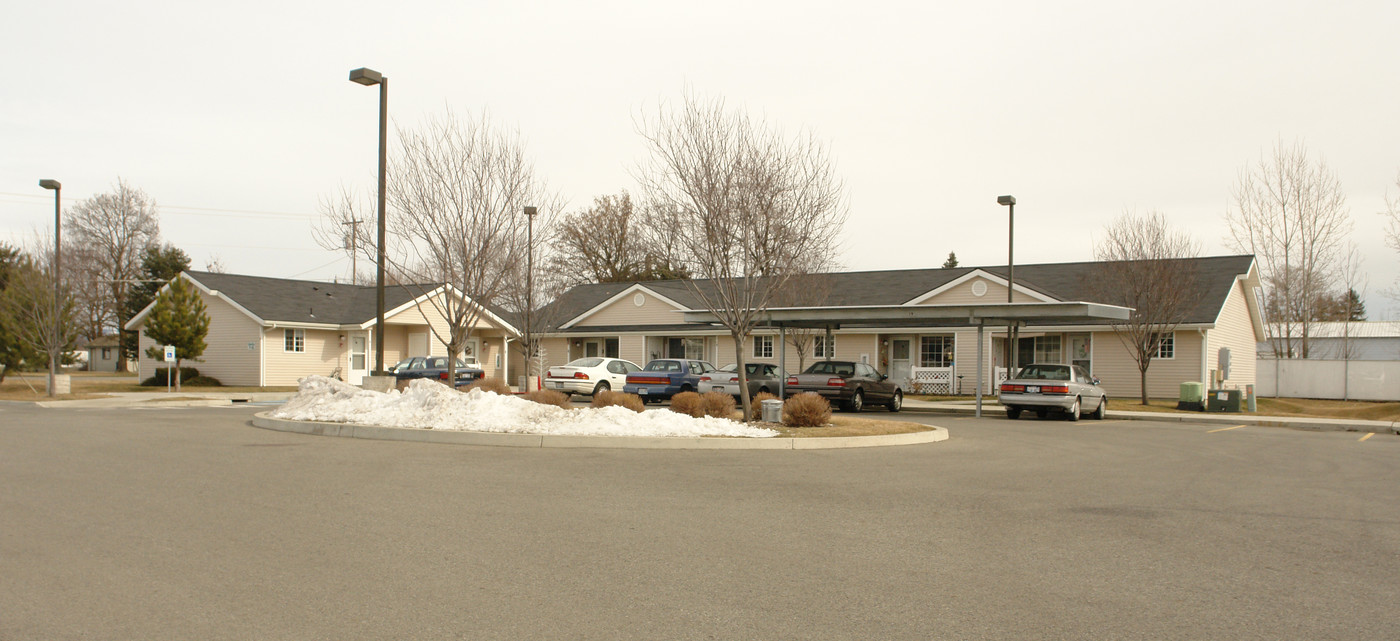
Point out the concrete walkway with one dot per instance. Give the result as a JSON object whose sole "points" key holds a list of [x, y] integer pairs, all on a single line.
{"points": [[190, 398], [994, 409]]}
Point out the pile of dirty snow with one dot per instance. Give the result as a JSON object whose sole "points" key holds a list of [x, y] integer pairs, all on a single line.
{"points": [[427, 404]]}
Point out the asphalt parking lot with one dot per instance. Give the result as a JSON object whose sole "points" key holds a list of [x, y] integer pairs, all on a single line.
{"points": [[189, 523]]}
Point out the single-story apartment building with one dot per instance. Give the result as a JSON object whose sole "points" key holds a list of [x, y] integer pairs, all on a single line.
{"points": [[103, 353], [640, 321], [274, 331]]}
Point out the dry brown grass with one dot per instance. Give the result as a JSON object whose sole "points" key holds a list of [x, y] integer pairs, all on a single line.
{"points": [[18, 388], [490, 385], [549, 397], [843, 425], [688, 403], [717, 404], [758, 399], [620, 399], [806, 410]]}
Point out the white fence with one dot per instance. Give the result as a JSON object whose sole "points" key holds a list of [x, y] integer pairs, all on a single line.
{"points": [[1308, 378], [931, 380]]}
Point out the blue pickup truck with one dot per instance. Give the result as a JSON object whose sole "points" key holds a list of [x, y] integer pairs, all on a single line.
{"points": [[665, 377], [435, 368]]}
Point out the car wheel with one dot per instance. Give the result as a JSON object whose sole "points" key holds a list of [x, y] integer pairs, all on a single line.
{"points": [[1013, 413], [686, 388], [1041, 413], [602, 387], [857, 401], [897, 402], [1102, 410], [1072, 414]]}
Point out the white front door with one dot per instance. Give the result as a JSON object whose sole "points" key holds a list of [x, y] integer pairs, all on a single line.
{"points": [[417, 344], [901, 361], [359, 363]]}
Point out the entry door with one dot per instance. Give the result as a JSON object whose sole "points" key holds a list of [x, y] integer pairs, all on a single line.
{"points": [[901, 362], [359, 363], [417, 344]]}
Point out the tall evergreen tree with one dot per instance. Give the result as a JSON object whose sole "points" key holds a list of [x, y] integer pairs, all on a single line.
{"points": [[951, 262], [159, 264], [178, 319], [13, 350]]}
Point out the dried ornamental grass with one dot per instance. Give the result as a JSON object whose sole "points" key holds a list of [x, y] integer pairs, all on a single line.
{"points": [[717, 404], [491, 385], [760, 397], [549, 397], [688, 403], [806, 410], [620, 399]]}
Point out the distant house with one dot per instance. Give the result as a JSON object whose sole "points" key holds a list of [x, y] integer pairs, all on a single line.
{"points": [[1355, 340], [274, 331], [640, 321], [103, 353]]}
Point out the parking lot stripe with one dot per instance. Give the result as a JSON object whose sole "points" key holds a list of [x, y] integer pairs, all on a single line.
{"points": [[1368, 435], [1223, 429]]}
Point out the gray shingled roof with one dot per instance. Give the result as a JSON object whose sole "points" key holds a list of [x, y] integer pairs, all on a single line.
{"points": [[306, 301], [1061, 281]]}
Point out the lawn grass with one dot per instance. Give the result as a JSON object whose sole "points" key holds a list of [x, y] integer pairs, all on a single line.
{"points": [[33, 387]]}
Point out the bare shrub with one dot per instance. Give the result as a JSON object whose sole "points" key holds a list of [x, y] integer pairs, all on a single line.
{"points": [[717, 404], [549, 397], [491, 385], [688, 403], [806, 410], [620, 399], [760, 397]]}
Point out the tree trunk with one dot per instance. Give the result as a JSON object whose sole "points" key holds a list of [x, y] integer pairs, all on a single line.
{"points": [[176, 373], [744, 399], [1142, 371]]}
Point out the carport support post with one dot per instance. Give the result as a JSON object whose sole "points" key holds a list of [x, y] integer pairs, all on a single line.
{"points": [[980, 369], [782, 361]]}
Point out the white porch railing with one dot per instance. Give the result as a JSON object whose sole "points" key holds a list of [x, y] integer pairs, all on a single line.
{"points": [[931, 380], [999, 373]]}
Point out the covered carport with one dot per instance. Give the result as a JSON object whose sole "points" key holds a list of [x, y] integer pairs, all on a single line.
{"points": [[1010, 315]]}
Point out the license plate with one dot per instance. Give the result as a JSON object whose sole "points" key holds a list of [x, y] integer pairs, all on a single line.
{"points": [[718, 388], [641, 391], [558, 385], [1032, 389]]}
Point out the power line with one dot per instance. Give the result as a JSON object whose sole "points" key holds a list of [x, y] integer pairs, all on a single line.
{"points": [[188, 210]]}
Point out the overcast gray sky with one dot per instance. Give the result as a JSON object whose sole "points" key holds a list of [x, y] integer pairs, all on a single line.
{"points": [[238, 117]]}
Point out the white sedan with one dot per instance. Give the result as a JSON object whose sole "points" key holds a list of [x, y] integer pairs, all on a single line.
{"points": [[763, 377], [589, 375]]}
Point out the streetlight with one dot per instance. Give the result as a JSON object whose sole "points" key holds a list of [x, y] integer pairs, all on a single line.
{"points": [[369, 77], [57, 187], [1010, 203], [529, 293]]}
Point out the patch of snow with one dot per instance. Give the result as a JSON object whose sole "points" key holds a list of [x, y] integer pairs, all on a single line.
{"points": [[427, 404]]}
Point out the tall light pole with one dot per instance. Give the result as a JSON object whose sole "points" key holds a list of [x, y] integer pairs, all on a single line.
{"points": [[1010, 202], [529, 293], [368, 77], [57, 187]]}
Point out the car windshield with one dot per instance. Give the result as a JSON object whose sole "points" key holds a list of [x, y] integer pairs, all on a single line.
{"points": [[585, 362], [1045, 372], [663, 366], [832, 367], [403, 363]]}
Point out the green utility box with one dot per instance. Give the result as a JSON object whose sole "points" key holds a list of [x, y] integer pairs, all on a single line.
{"points": [[1223, 400], [1190, 397]]}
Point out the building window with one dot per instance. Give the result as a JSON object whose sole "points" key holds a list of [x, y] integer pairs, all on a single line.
{"points": [[1166, 345], [1047, 349], [936, 351], [106, 354], [763, 347], [293, 340], [820, 348]]}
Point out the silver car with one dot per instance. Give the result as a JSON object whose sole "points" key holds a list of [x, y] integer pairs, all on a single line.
{"points": [[1063, 388]]}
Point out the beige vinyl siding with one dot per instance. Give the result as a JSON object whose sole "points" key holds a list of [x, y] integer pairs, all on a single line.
{"points": [[624, 311], [419, 318], [323, 354], [961, 294], [1235, 331], [1118, 372], [226, 354], [965, 360]]}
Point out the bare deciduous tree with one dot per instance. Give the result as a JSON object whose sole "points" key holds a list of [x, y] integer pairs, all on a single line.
{"points": [[1392, 230], [111, 232], [1290, 212], [1150, 271], [804, 290], [747, 208], [457, 189], [37, 315]]}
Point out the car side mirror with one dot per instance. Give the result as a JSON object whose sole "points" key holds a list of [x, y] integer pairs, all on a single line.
{"points": [[883, 377], [1095, 380]]}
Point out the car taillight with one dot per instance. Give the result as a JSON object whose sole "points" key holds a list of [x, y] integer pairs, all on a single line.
{"points": [[792, 380], [836, 382], [1055, 389], [581, 376], [442, 376], [704, 379], [1006, 387]]}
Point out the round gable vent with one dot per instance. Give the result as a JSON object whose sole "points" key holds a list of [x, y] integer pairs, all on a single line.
{"points": [[979, 288], [639, 299]]}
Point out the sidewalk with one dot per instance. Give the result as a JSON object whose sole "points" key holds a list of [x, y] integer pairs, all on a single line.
{"points": [[994, 410], [191, 398]]}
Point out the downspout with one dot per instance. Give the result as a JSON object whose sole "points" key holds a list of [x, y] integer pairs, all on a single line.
{"points": [[1205, 353]]}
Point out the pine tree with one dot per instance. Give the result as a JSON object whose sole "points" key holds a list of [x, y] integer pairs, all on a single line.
{"points": [[951, 262], [178, 319], [159, 264]]}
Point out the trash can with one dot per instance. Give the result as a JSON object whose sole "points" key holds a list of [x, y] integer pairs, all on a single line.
{"points": [[771, 411], [1189, 397]]}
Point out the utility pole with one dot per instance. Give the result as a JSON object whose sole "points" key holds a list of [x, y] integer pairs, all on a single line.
{"points": [[354, 249]]}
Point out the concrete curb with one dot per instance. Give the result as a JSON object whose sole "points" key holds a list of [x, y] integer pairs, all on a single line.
{"points": [[1302, 423], [349, 430]]}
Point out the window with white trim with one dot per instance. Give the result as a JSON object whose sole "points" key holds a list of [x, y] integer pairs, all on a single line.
{"points": [[936, 351], [294, 340], [820, 348], [1166, 345], [763, 347]]}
